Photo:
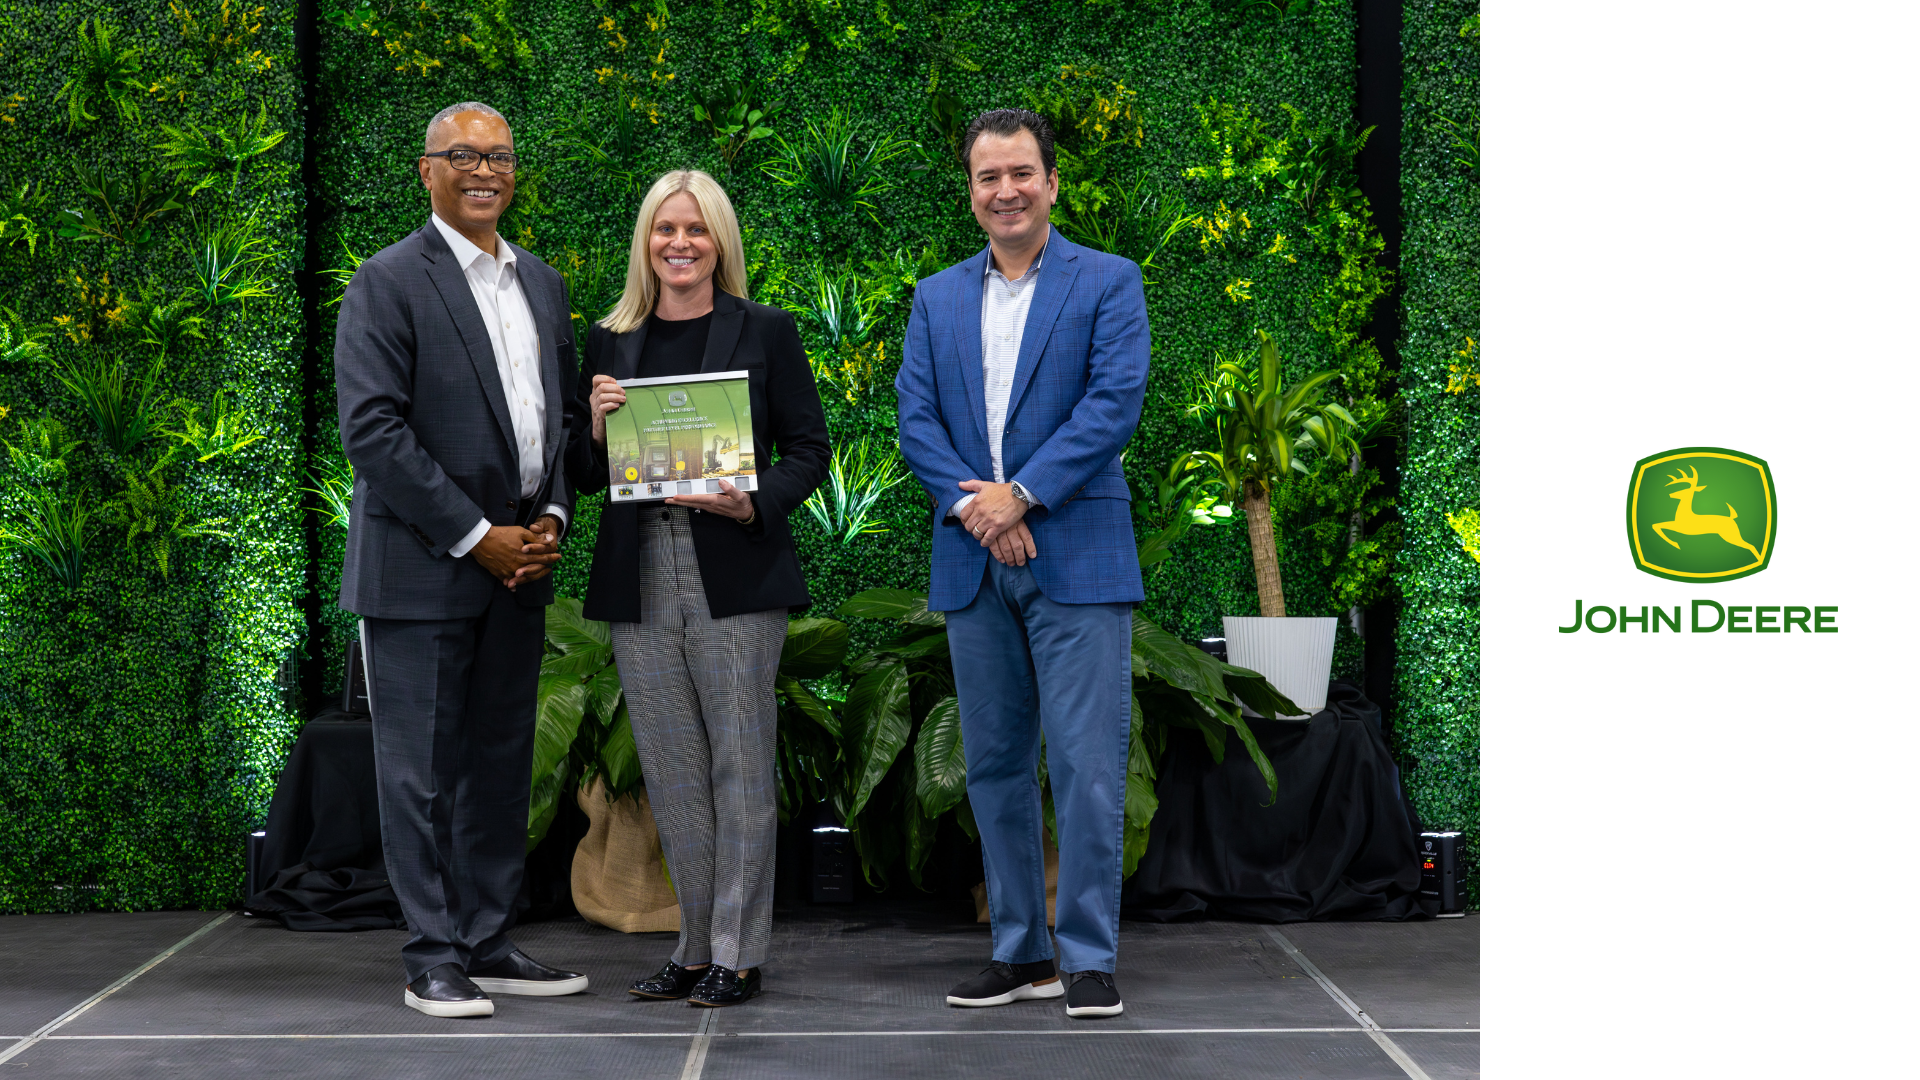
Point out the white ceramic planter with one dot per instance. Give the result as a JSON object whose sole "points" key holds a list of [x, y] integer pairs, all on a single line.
{"points": [[1296, 655]]}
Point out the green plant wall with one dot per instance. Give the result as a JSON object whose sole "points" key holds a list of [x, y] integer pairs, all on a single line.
{"points": [[1437, 723], [886, 68], [144, 710]]}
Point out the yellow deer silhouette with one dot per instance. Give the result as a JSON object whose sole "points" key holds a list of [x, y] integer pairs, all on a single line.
{"points": [[1687, 523]]}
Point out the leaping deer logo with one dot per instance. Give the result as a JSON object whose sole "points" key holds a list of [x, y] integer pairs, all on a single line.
{"points": [[1687, 523]]}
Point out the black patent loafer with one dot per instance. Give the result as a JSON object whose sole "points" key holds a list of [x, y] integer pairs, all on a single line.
{"points": [[1092, 994], [446, 991], [721, 986], [670, 983], [1003, 984], [522, 974]]}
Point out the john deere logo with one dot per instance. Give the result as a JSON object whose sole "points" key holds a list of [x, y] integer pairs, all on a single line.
{"points": [[677, 398], [1701, 514]]}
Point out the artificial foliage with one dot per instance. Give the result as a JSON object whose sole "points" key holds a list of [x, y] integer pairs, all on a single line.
{"points": [[1437, 716], [171, 499], [853, 193], [152, 559]]}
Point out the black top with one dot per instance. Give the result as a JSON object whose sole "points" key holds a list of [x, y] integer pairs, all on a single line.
{"points": [[674, 346], [743, 569]]}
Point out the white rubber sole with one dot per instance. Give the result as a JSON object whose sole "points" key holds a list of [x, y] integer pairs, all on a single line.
{"points": [[1029, 992], [533, 987], [482, 1007], [1090, 1011]]}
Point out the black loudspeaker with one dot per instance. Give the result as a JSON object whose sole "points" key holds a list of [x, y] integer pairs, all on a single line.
{"points": [[1440, 871], [1215, 647], [256, 851], [353, 698], [832, 858]]}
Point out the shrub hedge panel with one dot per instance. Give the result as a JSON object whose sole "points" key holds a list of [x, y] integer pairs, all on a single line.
{"points": [[1438, 720], [1175, 56], [144, 716]]}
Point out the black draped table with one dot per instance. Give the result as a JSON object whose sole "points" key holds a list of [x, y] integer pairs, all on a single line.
{"points": [[322, 863], [1338, 843]]}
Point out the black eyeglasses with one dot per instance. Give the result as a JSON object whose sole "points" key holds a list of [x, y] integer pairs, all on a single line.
{"points": [[469, 160]]}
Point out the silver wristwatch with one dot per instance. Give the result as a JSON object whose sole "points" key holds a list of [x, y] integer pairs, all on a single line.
{"points": [[1021, 494]]}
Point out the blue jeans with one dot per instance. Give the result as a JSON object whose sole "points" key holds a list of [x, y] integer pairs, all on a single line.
{"points": [[1023, 663]]}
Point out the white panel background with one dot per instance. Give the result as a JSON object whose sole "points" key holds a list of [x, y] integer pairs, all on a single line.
{"points": [[1700, 229]]}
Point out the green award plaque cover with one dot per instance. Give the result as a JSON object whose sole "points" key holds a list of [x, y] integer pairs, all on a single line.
{"points": [[680, 436]]}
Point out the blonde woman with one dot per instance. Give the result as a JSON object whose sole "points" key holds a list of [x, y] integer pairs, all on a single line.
{"points": [[698, 587]]}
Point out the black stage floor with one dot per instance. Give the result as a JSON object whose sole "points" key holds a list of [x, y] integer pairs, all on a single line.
{"points": [[852, 993]]}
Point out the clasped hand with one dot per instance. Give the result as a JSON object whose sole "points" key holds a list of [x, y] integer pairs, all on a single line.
{"points": [[516, 556], [997, 520]]}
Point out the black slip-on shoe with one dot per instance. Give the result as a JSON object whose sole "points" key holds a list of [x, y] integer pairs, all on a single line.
{"points": [[721, 986], [446, 991], [521, 974], [1091, 993], [1003, 983], [670, 983]]}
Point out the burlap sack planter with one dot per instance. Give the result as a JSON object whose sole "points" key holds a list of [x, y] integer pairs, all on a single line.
{"points": [[619, 873]]}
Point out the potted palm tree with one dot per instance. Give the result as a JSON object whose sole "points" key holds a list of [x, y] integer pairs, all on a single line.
{"points": [[1267, 433]]}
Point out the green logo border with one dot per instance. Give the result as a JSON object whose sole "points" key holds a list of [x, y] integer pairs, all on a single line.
{"points": [[1633, 535]]}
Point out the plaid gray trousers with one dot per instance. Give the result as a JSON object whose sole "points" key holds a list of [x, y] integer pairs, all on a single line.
{"points": [[700, 697]]}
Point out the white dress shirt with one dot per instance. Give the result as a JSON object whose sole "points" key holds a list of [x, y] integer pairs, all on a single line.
{"points": [[1003, 322], [495, 283]]}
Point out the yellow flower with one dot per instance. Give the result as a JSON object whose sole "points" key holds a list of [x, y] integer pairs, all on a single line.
{"points": [[1239, 289]]}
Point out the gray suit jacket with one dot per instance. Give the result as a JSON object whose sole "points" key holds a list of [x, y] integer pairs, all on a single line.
{"points": [[424, 420]]}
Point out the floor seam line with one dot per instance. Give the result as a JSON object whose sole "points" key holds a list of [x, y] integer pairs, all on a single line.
{"points": [[60, 1021], [1374, 1031], [696, 1062]]}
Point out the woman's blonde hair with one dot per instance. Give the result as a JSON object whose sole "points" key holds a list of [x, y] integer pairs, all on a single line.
{"points": [[643, 284]]}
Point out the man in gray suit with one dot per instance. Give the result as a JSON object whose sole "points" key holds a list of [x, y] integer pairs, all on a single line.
{"points": [[453, 358]]}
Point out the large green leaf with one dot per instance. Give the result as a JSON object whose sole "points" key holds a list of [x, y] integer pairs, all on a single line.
{"points": [[807, 704], [924, 646], [1142, 803], [814, 648], [562, 702], [876, 728], [582, 664], [544, 803], [619, 760], [1253, 689], [1174, 660], [920, 829], [570, 631], [891, 604], [940, 759], [605, 698], [1229, 714]]}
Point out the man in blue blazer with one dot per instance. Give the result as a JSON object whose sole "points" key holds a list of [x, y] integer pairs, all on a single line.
{"points": [[1021, 381]]}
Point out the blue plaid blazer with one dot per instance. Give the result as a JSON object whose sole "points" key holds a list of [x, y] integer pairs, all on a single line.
{"points": [[1077, 389]]}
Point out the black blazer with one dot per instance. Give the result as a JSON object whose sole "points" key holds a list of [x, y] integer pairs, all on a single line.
{"points": [[743, 569], [424, 419]]}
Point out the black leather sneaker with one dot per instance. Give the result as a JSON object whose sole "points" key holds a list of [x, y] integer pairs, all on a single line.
{"points": [[721, 986], [446, 991], [1091, 993], [1003, 984], [521, 974], [670, 983]]}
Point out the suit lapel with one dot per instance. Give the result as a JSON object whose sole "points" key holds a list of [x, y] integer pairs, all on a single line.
{"points": [[451, 282], [966, 338], [627, 350], [729, 316], [1057, 271]]}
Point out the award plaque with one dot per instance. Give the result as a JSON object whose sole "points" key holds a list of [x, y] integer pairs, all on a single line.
{"points": [[680, 435]]}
